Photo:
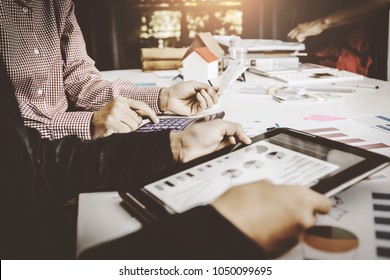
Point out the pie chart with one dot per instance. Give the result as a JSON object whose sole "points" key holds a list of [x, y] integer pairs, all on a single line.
{"points": [[329, 242], [253, 164], [256, 149], [232, 173], [276, 155]]}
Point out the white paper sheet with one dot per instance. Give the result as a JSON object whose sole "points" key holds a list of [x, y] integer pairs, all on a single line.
{"points": [[352, 211], [101, 218]]}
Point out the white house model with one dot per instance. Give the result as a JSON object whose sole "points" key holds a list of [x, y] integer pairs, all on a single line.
{"points": [[200, 65]]}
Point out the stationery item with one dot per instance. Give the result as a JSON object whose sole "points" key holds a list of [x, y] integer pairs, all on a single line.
{"points": [[143, 84], [270, 90], [323, 118], [379, 122], [346, 207], [366, 86], [307, 74], [350, 132], [255, 45], [97, 207], [332, 89], [381, 206], [282, 155], [234, 70], [177, 123], [305, 96]]}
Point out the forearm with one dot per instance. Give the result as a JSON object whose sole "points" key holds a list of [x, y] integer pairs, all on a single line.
{"points": [[83, 83], [353, 14], [72, 166]]}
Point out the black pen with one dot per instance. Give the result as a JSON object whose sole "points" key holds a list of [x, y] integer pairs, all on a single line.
{"points": [[368, 86], [138, 210]]}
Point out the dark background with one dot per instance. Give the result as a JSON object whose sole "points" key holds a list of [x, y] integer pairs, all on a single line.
{"points": [[112, 27]]}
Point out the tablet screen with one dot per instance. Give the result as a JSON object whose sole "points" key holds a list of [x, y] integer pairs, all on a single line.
{"points": [[281, 158], [284, 156]]}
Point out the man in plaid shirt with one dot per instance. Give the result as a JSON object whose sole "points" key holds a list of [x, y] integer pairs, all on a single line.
{"points": [[58, 88]]}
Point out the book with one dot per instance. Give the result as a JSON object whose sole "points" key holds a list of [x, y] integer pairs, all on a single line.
{"points": [[161, 59], [262, 45], [152, 65]]}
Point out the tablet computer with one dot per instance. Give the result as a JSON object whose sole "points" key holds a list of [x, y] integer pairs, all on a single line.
{"points": [[283, 156]]}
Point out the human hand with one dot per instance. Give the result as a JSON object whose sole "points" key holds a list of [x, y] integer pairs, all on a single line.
{"points": [[201, 139], [307, 29], [187, 98], [121, 115], [275, 217]]}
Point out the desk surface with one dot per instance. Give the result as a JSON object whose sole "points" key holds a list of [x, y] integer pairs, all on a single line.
{"points": [[264, 108], [356, 214]]}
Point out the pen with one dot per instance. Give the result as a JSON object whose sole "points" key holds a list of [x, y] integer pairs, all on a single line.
{"points": [[138, 210], [272, 128], [341, 90], [357, 85]]}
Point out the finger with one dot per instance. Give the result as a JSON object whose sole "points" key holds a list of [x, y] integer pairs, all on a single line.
{"points": [[214, 95], [227, 141], [133, 115], [199, 85], [132, 123], [321, 204], [232, 140], [308, 219], [120, 127], [235, 129], [300, 38], [201, 100], [207, 97], [142, 109]]}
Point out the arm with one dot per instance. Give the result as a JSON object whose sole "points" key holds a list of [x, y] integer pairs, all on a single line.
{"points": [[87, 91], [343, 17], [252, 221], [82, 81]]}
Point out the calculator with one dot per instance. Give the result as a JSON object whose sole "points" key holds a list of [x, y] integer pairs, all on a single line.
{"points": [[177, 123]]}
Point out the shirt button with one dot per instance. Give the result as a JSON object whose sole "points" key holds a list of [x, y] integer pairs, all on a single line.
{"points": [[25, 9], [36, 51], [39, 92]]}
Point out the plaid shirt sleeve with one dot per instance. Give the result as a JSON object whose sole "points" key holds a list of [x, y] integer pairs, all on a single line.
{"points": [[56, 83], [83, 83], [71, 123]]}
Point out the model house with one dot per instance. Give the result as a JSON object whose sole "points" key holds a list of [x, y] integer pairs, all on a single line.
{"points": [[200, 65]]}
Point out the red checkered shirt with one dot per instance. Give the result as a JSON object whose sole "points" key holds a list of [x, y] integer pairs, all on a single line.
{"points": [[56, 83]]}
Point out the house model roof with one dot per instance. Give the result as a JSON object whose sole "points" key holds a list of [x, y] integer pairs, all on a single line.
{"points": [[205, 40], [206, 54]]}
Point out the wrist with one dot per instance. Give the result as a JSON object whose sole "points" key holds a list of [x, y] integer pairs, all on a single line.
{"points": [[176, 146], [92, 127], [163, 99]]}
